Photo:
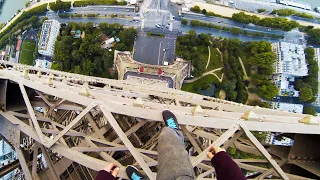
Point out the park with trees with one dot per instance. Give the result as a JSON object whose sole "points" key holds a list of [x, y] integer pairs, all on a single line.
{"points": [[86, 56], [238, 81]]}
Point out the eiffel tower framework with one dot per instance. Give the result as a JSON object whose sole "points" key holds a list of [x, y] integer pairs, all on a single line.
{"points": [[69, 126]]}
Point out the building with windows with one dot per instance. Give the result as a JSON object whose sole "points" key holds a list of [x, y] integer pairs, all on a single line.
{"points": [[271, 139], [49, 33], [290, 63]]}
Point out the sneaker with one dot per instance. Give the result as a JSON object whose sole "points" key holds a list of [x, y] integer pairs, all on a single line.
{"points": [[170, 120], [134, 174]]}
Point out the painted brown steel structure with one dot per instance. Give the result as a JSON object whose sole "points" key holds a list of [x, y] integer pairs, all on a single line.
{"points": [[80, 123]]}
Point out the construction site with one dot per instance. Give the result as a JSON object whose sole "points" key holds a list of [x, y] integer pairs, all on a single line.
{"points": [[70, 126]]}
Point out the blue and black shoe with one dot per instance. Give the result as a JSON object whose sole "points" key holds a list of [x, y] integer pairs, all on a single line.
{"points": [[134, 174], [170, 120]]}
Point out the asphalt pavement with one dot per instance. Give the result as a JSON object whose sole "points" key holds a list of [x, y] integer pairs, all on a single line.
{"points": [[155, 50], [125, 22], [102, 10]]}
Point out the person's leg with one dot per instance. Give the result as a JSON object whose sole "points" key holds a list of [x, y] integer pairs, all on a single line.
{"points": [[173, 159]]}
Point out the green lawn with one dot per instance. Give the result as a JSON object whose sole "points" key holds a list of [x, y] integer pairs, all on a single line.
{"points": [[26, 56], [215, 60], [200, 83]]}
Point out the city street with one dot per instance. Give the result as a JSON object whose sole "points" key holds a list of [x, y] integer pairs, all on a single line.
{"points": [[125, 22], [162, 12], [156, 12], [102, 10]]}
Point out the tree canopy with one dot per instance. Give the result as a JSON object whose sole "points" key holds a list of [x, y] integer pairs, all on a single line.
{"points": [[187, 47], [305, 93], [314, 36], [310, 81], [59, 5], [86, 56], [195, 9], [268, 91], [184, 21], [309, 110], [279, 23]]}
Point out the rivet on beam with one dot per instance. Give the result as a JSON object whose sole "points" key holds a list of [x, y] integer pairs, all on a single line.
{"points": [[25, 74], [138, 103], [197, 110], [251, 116], [84, 92], [64, 80], [218, 108], [309, 120], [50, 81], [86, 84], [39, 74], [51, 76]]}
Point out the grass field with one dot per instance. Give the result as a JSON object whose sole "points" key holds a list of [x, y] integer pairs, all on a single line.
{"points": [[215, 60], [200, 83], [26, 56]]}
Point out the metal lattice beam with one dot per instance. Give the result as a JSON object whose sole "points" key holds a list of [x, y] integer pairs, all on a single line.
{"points": [[92, 121]]}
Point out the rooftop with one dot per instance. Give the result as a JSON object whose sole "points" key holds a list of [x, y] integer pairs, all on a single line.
{"points": [[290, 59], [295, 108], [45, 34]]}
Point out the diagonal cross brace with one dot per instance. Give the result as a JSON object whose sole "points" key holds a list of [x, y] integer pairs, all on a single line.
{"points": [[222, 139], [72, 123], [265, 153], [32, 114], [127, 142]]}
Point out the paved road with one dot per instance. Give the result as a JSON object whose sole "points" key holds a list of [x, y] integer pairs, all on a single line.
{"points": [[156, 12], [155, 50], [102, 10], [125, 22]]}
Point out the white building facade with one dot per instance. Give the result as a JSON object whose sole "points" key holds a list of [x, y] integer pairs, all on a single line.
{"points": [[317, 58], [290, 64], [49, 33]]}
